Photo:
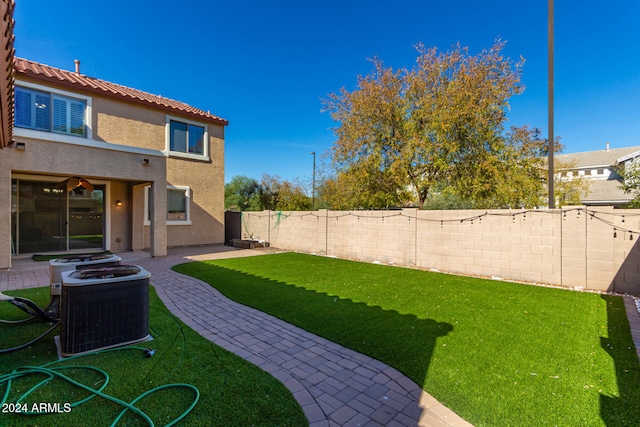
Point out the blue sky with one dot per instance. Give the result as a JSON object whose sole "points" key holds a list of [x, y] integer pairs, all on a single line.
{"points": [[266, 65]]}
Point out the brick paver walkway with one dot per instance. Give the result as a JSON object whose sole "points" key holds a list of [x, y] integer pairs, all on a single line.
{"points": [[334, 385]]}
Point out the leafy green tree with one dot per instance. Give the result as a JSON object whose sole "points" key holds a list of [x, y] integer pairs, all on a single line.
{"points": [[241, 194], [443, 197], [441, 121], [362, 187], [269, 192], [276, 194], [519, 173], [569, 191], [518, 180], [630, 172], [293, 197]]}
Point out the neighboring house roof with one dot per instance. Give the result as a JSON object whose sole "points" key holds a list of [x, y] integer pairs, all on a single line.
{"points": [[77, 81], [606, 192], [6, 71], [598, 158]]}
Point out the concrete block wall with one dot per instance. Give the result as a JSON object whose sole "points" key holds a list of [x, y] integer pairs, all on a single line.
{"points": [[370, 236], [301, 232], [587, 248], [626, 250], [506, 244]]}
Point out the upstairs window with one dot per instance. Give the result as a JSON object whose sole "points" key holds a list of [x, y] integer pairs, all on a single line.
{"points": [[32, 109], [187, 139], [49, 112]]}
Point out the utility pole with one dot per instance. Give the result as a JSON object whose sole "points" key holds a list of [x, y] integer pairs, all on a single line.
{"points": [[313, 183], [552, 197]]}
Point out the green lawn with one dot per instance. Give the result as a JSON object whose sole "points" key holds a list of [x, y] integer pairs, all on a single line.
{"points": [[496, 353], [233, 392]]}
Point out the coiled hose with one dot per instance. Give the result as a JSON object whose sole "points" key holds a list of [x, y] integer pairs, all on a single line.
{"points": [[49, 371]]}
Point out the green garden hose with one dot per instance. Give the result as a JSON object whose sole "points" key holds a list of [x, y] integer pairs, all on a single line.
{"points": [[50, 372], [33, 341]]}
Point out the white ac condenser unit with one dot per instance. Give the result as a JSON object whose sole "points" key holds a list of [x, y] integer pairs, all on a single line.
{"points": [[77, 262]]}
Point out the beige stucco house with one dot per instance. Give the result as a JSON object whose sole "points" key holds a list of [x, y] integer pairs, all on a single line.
{"points": [[95, 165]]}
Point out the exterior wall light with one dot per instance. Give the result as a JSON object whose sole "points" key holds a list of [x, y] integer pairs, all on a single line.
{"points": [[118, 202]]}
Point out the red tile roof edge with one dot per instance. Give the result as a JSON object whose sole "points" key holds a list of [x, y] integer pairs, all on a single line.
{"points": [[70, 79], [7, 53]]}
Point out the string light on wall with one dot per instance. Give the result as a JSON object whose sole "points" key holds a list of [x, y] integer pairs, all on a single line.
{"points": [[617, 220]]}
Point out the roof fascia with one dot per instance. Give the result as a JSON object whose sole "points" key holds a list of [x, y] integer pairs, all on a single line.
{"points": [[7, 53], [628, 157], [53, 81]]}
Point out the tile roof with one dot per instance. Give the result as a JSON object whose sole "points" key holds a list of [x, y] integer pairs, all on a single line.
{"points": [[6, 71], [77, 81]]}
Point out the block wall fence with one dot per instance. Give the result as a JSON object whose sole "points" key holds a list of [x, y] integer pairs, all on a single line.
{"points": [[580, 247]]}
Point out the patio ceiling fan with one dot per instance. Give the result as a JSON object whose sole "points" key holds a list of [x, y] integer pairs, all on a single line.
{"points": [[75, 182]]}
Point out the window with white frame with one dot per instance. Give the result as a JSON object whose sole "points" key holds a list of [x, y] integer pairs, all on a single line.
{"points": [[178, 202], [50, 112], [187, 139]]}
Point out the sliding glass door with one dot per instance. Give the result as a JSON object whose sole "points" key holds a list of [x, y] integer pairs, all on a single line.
{"points": [[48, 218], [86, 218]]}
